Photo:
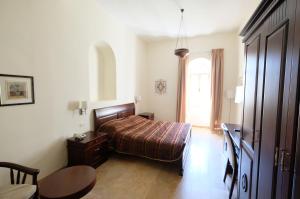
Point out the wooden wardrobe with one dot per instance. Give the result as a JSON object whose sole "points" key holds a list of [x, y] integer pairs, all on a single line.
{"points": [[269, 162]]}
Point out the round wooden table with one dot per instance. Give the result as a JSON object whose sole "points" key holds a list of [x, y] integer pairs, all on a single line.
{"points": [[71, 182]]}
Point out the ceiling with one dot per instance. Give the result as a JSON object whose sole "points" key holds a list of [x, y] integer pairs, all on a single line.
{"points": [[160, 18]]}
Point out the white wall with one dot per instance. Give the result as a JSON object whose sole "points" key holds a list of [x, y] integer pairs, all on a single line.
{"points": [[241, 58], [142, 76], [162, 63], [50, 40]]}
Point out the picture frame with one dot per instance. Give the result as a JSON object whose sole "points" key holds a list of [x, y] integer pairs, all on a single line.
{"points": [[16, 90], [160, 86]]}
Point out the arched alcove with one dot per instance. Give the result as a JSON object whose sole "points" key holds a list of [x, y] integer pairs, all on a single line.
{"points": [[102, 72]]}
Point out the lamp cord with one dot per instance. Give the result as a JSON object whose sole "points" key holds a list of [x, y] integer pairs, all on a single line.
{"points": [[179, 30], [180, 42]]}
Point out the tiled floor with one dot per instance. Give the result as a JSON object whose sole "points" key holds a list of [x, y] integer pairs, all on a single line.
{"points": [[135, 178]]}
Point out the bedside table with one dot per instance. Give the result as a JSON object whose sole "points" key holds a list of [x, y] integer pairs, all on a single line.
{"points": [[92, 150], [149, 116]]}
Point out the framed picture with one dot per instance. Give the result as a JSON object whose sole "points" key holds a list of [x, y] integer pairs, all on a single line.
{"points": [[160, 86], [16, 90]]}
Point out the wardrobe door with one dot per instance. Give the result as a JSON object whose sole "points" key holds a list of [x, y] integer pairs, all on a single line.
{"points": [[275, 46], [248, 133], [283, 19], [252, 58], [296, 58]]}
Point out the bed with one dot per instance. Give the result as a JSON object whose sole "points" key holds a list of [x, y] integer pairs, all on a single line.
{"points": [[134, 135]]}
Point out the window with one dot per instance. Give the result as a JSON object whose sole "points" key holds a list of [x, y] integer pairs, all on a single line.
{"points": [[199, 92]]}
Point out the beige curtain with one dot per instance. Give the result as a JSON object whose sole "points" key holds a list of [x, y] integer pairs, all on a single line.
{"points": [[181, 93], [216, 87]]}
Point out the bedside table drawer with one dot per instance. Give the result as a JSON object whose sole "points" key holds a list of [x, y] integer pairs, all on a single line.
{"points": [[97, 141], [96, 153], [92, 150]]}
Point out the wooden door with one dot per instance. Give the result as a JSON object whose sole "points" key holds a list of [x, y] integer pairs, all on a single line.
{"points": [[252, 57], [283, 20], [272, 111], [296, 61], [248, 133], [293, 143]]}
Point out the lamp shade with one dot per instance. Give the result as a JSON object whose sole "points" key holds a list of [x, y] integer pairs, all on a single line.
{"points": [[239, 94], [182, 52]]}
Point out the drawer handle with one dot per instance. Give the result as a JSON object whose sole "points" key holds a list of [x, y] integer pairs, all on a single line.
{"points": [[244, 182], [97, 149], [285, 161]]}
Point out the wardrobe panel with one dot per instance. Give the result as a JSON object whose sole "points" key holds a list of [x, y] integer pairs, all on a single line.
{"points": [[290, 105], [259, 104], [296, 73], [245, 175], [252, 56], [271, 111]]}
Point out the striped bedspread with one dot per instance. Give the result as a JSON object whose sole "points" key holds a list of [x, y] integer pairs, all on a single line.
{"points": [[136, 135]]}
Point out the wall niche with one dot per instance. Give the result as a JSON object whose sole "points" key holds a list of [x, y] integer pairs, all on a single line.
{"points": [[102, 72]]}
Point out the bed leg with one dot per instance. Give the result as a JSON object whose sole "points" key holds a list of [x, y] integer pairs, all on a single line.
{"points": [[180, 172], [180, 167]]}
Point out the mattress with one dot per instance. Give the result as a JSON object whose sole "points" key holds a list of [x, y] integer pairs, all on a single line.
{"points": [[139, 136]]}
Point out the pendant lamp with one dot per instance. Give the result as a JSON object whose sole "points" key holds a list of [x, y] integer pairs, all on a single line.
{"points": [[181, 41]]}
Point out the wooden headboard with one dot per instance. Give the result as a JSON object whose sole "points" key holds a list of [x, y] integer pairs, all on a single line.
{"points": [[102, 115]]}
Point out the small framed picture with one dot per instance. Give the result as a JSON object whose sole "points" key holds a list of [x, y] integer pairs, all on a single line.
{"points": [[16, 90], [160, 86]]}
